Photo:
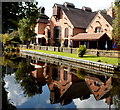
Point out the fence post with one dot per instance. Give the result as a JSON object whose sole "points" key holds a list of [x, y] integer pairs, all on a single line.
{"points": [[58, 49], [54, 49], [61, 49], [71, 49], [46, 47]]}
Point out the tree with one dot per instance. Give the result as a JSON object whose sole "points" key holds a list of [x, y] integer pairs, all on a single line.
{"points": [[15, 37], [6, 39], [13, 12], [115, 92], [26, 31], [23, 75], [116, 21], [82, 50], [11, 38], [28, 23]]}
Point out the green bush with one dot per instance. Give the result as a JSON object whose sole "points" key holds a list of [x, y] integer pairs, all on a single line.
{"points": [[82, 50]]}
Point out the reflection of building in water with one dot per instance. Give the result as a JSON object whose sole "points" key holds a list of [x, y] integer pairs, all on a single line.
{"points": [[65, 86], [39, 69], [100, 88], [38, 73]]}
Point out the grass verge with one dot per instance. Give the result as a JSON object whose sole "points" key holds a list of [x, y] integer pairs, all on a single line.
{"points": [[107, 60]]}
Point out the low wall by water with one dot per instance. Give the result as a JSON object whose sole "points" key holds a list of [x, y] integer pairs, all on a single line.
{"points": [[57, 61], [106, 53], [99, 65]]}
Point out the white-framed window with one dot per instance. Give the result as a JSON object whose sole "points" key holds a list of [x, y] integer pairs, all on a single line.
{"points": [[98, 30], [66, 32]]}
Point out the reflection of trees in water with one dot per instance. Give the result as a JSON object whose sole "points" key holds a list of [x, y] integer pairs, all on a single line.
{"points": [[8, 63], [12, 63], [10, 59], [5, 102], [22, 70], [23, 75], [81, 73], [115, 92], [32, 85], [116, 101]]}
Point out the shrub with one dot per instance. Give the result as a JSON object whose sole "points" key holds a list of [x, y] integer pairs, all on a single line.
{"points": [[81, 50]]}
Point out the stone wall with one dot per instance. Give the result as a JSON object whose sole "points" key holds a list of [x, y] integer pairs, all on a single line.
{"points": [[106, 53]]}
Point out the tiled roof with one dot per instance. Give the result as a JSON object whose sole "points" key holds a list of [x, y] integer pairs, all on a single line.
{"points": [[108, 18], [87, 36], [78, 17], [43, 21], [43, 18]]}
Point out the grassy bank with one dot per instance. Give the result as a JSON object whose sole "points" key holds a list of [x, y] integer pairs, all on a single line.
{"points": [[107, 60]]}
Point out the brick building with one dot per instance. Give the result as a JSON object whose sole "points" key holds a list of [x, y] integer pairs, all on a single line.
{"points": [[42, 22], [68, 22]]}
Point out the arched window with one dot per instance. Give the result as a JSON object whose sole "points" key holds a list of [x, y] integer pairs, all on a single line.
{"points": [[57, 32], [57, 35], [98, 30], [66, 32]]}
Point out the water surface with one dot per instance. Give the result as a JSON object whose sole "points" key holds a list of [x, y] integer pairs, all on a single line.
{"points": [[32, 83]]}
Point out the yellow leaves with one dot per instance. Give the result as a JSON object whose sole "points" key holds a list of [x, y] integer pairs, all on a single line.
{"points": [[5, 38]]}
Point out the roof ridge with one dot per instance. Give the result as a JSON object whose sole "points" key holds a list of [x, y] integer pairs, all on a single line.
{"points": [[91, 33], [75, 8], [78, 17]]}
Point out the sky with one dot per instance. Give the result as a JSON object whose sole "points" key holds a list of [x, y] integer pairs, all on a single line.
{"points": [[18, 99], [93, 4]]}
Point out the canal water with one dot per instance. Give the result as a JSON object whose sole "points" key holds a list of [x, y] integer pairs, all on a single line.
{"points": [[31, 83]]}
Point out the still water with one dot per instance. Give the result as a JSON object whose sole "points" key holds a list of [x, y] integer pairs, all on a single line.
{"points": [[29, 83]]}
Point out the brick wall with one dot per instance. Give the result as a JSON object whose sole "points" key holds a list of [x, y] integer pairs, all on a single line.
{"points": [[64, 23], [41, 28], [77, 31], [99, 21]]}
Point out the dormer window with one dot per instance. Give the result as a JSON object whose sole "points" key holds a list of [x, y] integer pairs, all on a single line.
{"points": [[98, 30]]}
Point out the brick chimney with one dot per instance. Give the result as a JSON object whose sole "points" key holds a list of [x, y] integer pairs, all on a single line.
{"points": [[110, 10], [42, 10]]}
